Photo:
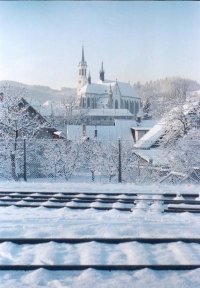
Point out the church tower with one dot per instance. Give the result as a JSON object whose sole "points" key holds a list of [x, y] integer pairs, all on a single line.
{"points": [[82, 68], [102, 73]]}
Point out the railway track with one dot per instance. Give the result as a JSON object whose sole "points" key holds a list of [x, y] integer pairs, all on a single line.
{"points": [[171, 203], [111, 244], [168, 202]]}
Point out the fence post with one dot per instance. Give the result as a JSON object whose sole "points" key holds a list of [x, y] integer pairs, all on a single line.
{"points": [[119, 163], [25, 175]]}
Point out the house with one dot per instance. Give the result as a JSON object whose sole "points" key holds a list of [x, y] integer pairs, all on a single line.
{"points": [[28, 123], [141, 129]]}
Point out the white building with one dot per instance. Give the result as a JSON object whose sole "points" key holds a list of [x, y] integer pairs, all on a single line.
{"points": [[105, 94]]}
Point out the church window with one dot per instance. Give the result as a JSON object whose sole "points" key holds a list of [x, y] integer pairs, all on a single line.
{"points": [[88, 102], [136, 107], [133, 107], [116, 104]]}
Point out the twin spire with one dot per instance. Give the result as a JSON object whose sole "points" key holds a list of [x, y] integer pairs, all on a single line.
{"points": [[101, 72]]}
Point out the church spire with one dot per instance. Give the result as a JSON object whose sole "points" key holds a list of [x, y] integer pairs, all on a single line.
{"points": [[83, 56], [89, 78], [102, 72], [82, 71]]}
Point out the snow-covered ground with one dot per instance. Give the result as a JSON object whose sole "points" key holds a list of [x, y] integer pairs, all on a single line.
{"points": [[43, 222]]}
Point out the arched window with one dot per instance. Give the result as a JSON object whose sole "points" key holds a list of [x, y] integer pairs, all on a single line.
{"points": [[116, 104], [126, 104], [136, 107], [88, 102], [131, 106], [83, 101], [92, 103]]}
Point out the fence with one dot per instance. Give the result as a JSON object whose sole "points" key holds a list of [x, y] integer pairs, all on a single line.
{"points": [[86, 160]]}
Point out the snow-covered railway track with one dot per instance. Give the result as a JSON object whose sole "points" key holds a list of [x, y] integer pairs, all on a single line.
{"points": [[103, 201], [100, 254], [98, 267], [34, 241]]}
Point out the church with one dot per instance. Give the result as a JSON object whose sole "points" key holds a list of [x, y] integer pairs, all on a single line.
{"points": [[105, 94]]}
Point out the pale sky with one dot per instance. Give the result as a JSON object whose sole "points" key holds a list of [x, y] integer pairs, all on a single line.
{"points": [[40, 41]]}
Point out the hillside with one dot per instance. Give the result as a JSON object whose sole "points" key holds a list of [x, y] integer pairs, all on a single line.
{"points": [[37, 93], [164, 94]]}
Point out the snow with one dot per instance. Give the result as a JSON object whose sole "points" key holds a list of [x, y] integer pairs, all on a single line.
{"points": [[146, 220]]}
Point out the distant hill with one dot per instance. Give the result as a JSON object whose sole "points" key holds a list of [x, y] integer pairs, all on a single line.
{"points": [[37, 93], [164, 94]]}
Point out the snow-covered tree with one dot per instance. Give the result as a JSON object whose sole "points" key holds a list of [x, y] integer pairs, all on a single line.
{"points": [[185, 153], [164, 94], [90, 155], [60, 158], [109, 159], [18, 121]]}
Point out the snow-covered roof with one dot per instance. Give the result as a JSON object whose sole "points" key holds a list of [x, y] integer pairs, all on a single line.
{"points": [[151, 136], [94, 88], [103, 87], [106, 81], [104, 133], [154, 155], [127, 90], [145, 125], [173, 178], [109, 112]]}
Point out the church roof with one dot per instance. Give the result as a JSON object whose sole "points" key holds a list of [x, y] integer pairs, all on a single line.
{"points": [[127, 90], [94, 88], [103, 87], [109, 112]]}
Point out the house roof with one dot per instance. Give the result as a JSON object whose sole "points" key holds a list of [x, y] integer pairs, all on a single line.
{"points": [[173, 177], [192, 177], [151, 136], [104, 133], [154, 155]]}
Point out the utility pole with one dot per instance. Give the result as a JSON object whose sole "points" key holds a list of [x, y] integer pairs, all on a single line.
{"points": [[25, 174], [119, 163]]}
